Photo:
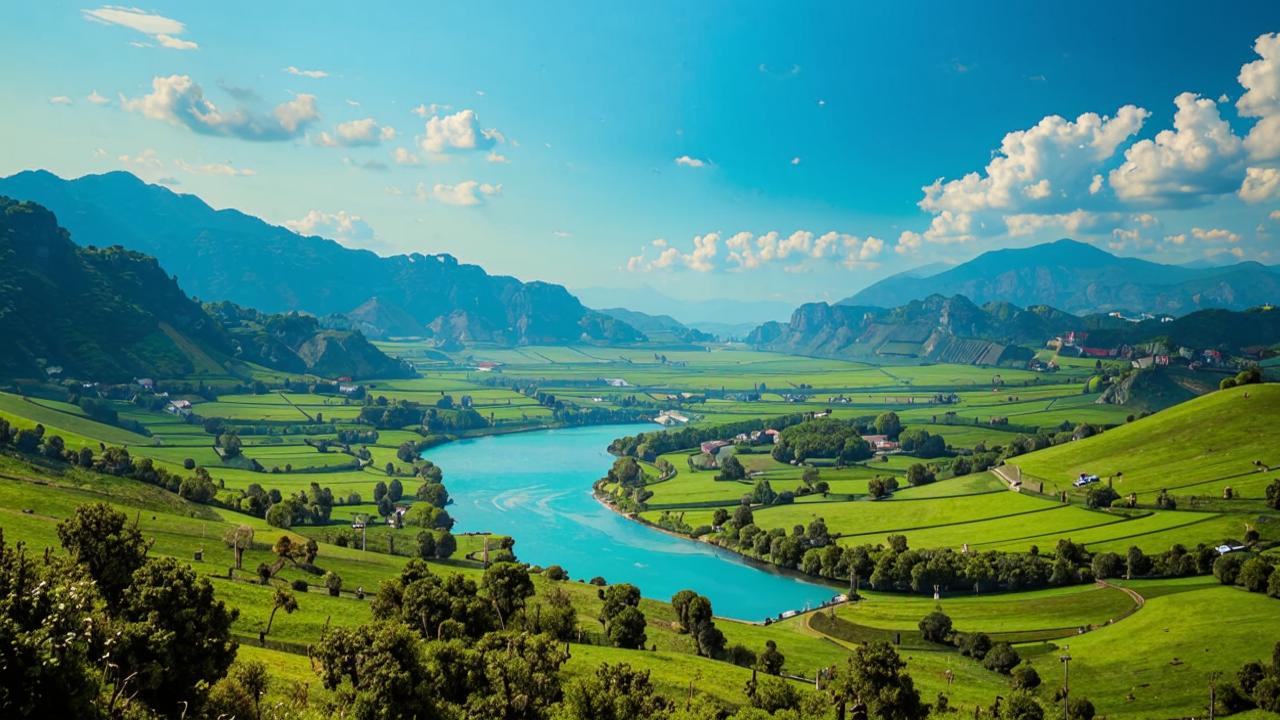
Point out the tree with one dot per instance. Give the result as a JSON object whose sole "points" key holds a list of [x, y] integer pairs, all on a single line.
{"points": [[889, 424], [1021, 706], [919, 474], [48, 638], [446, 545], [109, 548], [284, 600], [395, 490], [1254, 574], [742, 515], [1080, 708], [333, 582], [280, 515], [975, 645], [719, 517], [229, 442], [617, 597], [426, 545], [1107, 565], [172, 637], [1002, 658], [731, 469], [614, 692], [433, 493], [770, 659], [239, 539], [252, 675], [936, 627], [626, 628], [508, 586], [1227, 568], [1101, 496], [1273, 495], [1025, 677], [876, 679], [379, 491], [680, 604]]}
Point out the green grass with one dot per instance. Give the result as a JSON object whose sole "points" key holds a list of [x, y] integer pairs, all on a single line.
{"points": [[1196, 448]]}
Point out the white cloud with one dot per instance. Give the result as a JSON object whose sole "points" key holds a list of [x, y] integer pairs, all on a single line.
{"points": [[687, 161], [404, 156], [744, 250], [704, 252], [313, 74], [458, 132], [365, 132], [467, 192], [162, 30], [909, 243], [1214, 235], [795, 160], [562, 233], [59, 100], [1261, 99], [214, 169], [425, 111], [1260, 184], [1198, 159], [342, 226], [95, 99], [178, 100], [495, 157], [1056, 154], [148, 159]]}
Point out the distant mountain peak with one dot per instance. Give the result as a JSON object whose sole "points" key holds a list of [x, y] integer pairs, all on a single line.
{"points": [[1081, 278]]}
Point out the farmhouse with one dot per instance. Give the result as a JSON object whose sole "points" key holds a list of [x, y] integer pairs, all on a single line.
{"points": [[146, 383], [348, 388], [179, 407], [617, 382], [880, 443], [711, 447], [487, 365], [668, 418]]}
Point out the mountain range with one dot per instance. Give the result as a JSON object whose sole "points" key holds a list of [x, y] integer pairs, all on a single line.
{"points": [[111, 314], [229, 255], [936, 329], [956, 330], [1081, 278]]}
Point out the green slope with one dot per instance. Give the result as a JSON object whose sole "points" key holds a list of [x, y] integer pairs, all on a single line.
{"points": [[1196, 448]]}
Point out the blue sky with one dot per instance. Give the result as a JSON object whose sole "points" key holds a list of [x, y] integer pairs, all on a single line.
{"points": [[745, 150]]}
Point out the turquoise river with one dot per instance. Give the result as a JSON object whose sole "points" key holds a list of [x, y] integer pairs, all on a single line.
{"points": [[536, 487]]}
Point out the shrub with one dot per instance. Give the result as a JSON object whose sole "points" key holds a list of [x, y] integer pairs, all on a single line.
{"points": [[1227, 568], [555, 572], [299, 585], [936, 627], [1025, 677], [1002, 658]]}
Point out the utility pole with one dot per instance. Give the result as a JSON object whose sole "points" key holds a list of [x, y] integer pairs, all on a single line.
{"points": [[1066, 679]]}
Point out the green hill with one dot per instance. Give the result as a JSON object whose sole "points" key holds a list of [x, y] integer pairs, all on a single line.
{"points": [[111, 314], [1196, 448]]}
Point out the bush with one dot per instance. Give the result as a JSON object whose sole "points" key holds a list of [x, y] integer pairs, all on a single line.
{"points": [[1101, 496], [975, 645], [1227, 568], [936, 627], [555, 572], [299, 585], [1080, 709], [1002, 658], [1025, 677]]}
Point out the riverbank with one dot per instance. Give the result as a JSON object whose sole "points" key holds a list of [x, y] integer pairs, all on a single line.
{"points": [[536, 487], [733, 555]]}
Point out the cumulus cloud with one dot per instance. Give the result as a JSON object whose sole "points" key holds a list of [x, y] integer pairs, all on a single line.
{"points": [[223, 169], [425, 111], [313, 74], [467, 192], [459, 132], [146, 160], [1261, 99], [346, 228], [1260, 184], [95, 99], [178, 100], [59, 100], [691, 162], [909, 243], [796, 252], [1055, 159], [1198, 159], [365, 132], [405, 156], [163, 30]]}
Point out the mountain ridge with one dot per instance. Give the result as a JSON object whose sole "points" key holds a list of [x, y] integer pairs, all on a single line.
{"points": [[1080, 278], [230, 255]]}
